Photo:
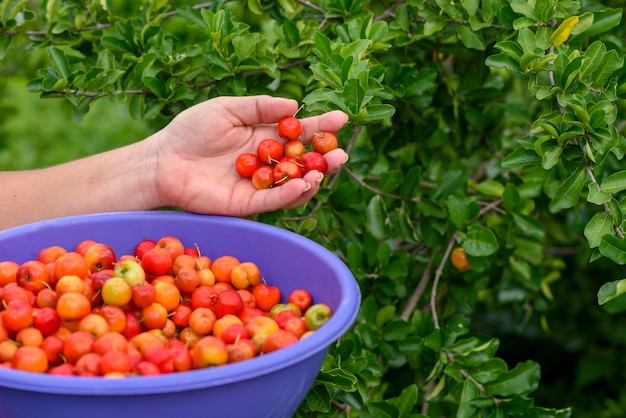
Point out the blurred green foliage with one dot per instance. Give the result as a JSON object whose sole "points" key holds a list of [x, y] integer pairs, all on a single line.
{"points": [[38, 133]]}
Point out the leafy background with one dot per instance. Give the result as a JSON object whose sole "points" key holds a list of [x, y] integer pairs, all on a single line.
{"points": [[479, 124]]}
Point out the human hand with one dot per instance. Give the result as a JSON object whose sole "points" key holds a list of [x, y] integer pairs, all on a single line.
{"points": [[196, 156]]}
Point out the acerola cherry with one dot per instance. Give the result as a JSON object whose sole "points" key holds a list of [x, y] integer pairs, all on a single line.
{"points": [[289, 127], [266, 296], [285, 171], [301, 298], [32, 275], [246, 164], [263, 177], [323, 142], [228, 302], [459, 259], [269, 151], [157, 261], [294, 149], [143, 246], [277, 340], [314, 161]]}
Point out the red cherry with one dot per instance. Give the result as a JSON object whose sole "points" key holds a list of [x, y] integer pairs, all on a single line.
{"points": [[289, 127], [246, 164], [323, 142], [286, 170], [314, 161], [263, 177], [270, 151]]}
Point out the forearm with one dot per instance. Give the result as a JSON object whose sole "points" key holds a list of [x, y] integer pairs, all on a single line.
{"points": [[115, 180]]}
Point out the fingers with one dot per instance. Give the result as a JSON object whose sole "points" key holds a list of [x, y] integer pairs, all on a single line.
{"points": [[291, 194], [335, 159], [300, 191], [253, 110], [331, 121]]}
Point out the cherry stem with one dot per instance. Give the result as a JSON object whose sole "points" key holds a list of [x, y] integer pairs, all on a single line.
{"points": [[281, 180], [299, 109]]}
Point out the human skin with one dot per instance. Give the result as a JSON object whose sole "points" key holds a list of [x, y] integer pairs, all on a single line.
{"points": [[189, 164]]}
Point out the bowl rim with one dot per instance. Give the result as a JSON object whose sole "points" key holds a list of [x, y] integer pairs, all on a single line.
{"points": [[343, 317]]}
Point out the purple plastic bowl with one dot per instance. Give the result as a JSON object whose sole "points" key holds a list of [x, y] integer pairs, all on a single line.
{"points": [[269, 386]]}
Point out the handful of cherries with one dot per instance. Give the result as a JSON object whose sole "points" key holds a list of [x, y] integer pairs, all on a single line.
{"points": [[275, 162]]}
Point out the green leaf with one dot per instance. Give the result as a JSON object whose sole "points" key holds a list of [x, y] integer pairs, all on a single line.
{"points": [[611, 290], [292, 35], [337, 378], [551, 157], [459, 210], [136, 106], [523, 7], [471, 6], [480, 241], [544, 10], [434, 25], [511, 198], [471, 39], [378, 113], [255, 7], [326, 75], [5, 43], [322, 46], [191, 15], [491, 188], [600, 225], [616, 305], [353, 95], [376, 217], [585, 20], [155, 85], [529, 225], [614, 183], [522, 380], [379, 30], [396, 330], [410, 182], [60, 62], [568, 193], [468, 394], [521, 157], [613, 248], [406, 401], [596, 195], [245, 44], [318, 398], [489, 370], [503, 62], [603, 21], [522, 267]]}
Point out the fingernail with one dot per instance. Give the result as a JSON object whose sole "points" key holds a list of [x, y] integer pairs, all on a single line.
{"points": [[321, 178], [307, 187], [346, 160]]}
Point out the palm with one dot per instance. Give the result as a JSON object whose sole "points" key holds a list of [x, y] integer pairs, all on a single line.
{"points": [[197, 159]]}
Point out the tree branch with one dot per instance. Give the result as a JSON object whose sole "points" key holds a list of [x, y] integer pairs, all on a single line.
{"points": [[438, 274], [418, 292]]}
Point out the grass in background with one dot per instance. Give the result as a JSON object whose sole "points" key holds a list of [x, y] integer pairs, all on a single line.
{"points": [[37, 132]]}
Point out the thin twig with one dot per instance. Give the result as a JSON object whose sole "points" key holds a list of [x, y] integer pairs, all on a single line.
{"points": [[390, 12], [429, 389], [311, 6], [418, 292], [438, 274]]}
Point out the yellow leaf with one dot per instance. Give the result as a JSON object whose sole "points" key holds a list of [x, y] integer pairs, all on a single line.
{"points": [[561, 33]]}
